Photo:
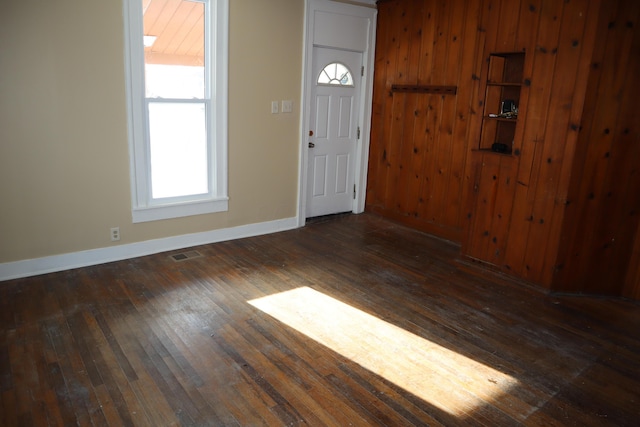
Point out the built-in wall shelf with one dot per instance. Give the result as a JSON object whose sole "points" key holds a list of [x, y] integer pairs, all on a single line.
{"points": [[502, 102]]}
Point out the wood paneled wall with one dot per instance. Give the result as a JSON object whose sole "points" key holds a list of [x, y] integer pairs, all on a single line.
{"points": [[522, 231], [632, 280], [600, 227], [419, 140], [562, 210]]}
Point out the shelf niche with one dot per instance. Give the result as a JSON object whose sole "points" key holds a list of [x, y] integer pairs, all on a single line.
{"points": [[501, 102]]}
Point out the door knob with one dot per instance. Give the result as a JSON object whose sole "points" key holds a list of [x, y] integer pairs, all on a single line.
{"points": [[311, 145]]}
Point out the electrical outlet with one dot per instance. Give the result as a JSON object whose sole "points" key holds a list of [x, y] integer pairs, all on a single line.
{"points": [[115, 234], [287, 106]]}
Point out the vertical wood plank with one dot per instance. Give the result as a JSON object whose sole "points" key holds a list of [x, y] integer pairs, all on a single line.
{"points": [[491, 26], [527, 26], [589, 192], [427, 40], [533, 136], [628, 151], [387, 41], [570, 251], [376, 167], [632, 279], [444, 197], [568, 52], [416, 170], [413, 143], [470, 64], [508, 26], [501, 217], [487, 188], [553, 263]]}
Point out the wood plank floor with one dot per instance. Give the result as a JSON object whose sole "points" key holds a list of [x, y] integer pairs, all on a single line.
{"points": [[352, 320]]}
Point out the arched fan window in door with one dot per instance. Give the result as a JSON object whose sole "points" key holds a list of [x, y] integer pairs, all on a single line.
{"points": [[335, 74]]}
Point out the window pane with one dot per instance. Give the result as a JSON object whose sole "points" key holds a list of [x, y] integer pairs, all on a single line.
{"points": [[174, 81], [178, 146], [335, 74], [174, 48]]}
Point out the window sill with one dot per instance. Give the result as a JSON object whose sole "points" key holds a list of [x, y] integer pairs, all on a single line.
{"points": [[156, 213]]}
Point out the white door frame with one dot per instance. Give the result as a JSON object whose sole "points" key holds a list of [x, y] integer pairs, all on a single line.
{"points": [[345, 26]]}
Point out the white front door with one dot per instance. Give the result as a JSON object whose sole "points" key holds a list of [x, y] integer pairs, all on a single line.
{"points": [[333, 131]]}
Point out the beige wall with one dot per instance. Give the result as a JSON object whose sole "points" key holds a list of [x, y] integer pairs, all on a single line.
{"points": [[64, 160]]}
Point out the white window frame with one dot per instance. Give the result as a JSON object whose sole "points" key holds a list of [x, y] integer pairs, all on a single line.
{"points": [[144, 207]]}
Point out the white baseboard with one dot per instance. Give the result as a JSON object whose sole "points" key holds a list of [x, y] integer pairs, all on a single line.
{"points": [[51, 264]]}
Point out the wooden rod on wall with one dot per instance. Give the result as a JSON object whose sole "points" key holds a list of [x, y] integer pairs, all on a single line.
{"points": [[442, 90]]}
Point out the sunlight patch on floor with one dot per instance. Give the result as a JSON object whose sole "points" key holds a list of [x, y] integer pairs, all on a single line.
{"points": [[440, 376]]}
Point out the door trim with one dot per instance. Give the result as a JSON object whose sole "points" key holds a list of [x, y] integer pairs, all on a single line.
{"points": [[317, 10]]}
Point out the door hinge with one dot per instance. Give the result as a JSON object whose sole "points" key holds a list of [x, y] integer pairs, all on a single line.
{"points": [[354, 191], [358, 132], [362, 71]]}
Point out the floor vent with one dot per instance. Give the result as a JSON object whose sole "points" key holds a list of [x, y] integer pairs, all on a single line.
{"points": [[183, 256]]}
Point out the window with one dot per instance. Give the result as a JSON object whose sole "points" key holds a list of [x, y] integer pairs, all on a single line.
{"points": [[335, 74], [177, 91]]}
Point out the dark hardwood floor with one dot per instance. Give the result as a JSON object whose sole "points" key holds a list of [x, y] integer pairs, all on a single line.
{"points": [[352, 320]]}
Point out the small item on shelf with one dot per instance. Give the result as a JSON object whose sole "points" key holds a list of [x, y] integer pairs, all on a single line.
{"points": [[498, 147], [508, 109]]}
